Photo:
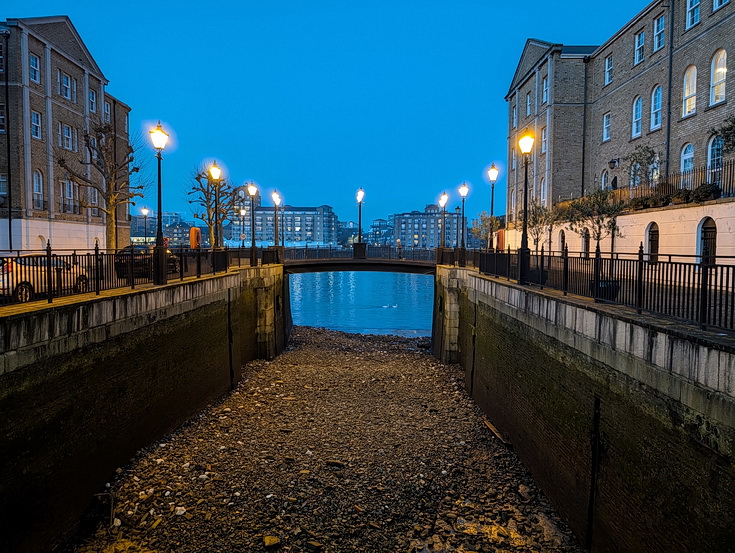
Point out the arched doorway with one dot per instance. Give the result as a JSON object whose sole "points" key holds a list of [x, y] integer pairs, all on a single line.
{"points": [[708, 240], [586, 242], [652, 243]]}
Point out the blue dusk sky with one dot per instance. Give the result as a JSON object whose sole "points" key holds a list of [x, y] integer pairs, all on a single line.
{"points": [[318, 98]]}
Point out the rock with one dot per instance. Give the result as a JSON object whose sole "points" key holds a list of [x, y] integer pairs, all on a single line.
{"points": [[180, 511], [314, 545], [271, 542]]}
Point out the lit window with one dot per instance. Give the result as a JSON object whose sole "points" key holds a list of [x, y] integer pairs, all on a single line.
{"points": [[528, 104], [656, 108], [692, 12], [690, 91], [545, 89], [34, 63], [608, 69], [718, 76], [36, 125], [93, 101], [659, 33], [637, 125], [640, 42], [543, 140], [606, 127]]}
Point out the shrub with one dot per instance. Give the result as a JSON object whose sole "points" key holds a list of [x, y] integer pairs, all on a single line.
{"points": [[641, 202], [681, 196], [705, 192]]}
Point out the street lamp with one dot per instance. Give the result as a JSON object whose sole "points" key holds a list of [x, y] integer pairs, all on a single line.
{"points": [[443, 204], [456, 219], [463, 191], [145, 212], [276, 202], [360, 196], [252, 191], [215, 173], [242, 227], [525, 143], [492, 175], [159, 138]]}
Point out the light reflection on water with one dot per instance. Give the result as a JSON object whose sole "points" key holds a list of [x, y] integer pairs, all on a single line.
{"points": [[364, 302]]}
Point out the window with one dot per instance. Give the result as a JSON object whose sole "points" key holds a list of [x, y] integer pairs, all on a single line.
{"points": [[656, 108], [108, 108], [687, 158], [640, 42], [635, 175], [545, 89], [3, 184], [37, 190], [2, 58], [659, 33], [717, 77], [717, 4], [606, 127], [528, 104], [714, 160], [637, 125], [604, 179], [690, 91], [66, 140], [34, 63], [2, 117], [514, 117], [692, 13], [608, 69], [653, 243], [125, 119], [543, 140], [69, 197], [512, 158], [64, 85], [544, 191], [92, 101], [36, 125], [708, 241]]}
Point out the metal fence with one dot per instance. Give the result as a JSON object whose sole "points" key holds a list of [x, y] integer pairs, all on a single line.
{"points": [[698, 289]]}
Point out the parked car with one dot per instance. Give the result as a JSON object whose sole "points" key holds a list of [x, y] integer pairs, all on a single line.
{"points": [[26, 276], [142, 256]]}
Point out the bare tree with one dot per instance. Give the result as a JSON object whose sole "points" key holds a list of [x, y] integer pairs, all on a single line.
{"points": [[485, 227], [203, 192], [597, 212], [103, 172]]}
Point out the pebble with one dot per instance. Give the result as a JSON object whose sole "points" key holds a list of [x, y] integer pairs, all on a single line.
{"points": [[344, 443]]}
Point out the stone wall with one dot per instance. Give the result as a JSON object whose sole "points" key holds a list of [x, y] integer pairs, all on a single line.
{"points": [[84, 385], [627, 422]]}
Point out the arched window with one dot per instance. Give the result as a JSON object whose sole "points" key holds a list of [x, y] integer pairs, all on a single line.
{"points": [[708, 240], [586, 242], [652, 245], [687, 165], [562, 240], [544, 191], [717, 77], [656, 108], [637, 124], [635, 175], [690, 91], [38, 202], [604, 179], [714, 159]]}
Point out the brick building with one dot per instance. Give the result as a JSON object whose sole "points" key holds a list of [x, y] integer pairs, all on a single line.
{"points": [[55, 92], [660, 82], [423, 229]]}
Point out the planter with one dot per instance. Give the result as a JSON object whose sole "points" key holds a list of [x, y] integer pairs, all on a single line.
{"points": [[607, 290]]}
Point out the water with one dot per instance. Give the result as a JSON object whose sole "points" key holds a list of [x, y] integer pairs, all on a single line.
{"points": [[364, 302]]}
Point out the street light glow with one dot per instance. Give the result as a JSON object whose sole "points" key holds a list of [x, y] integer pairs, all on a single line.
{"points": [[492, 174], [525, 143], [464, 190], [443, 200], [360, 195], [145, 212], [215, 171], [276, 198], [159, 137], [242, 212], [252, 189]]}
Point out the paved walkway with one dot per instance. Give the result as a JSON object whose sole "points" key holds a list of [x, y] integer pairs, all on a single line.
{"points": [[345, 443]]}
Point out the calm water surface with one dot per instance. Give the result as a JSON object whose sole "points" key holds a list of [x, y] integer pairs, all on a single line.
{"points": [[364, 302]]}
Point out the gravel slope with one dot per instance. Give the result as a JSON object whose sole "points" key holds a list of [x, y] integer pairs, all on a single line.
{"points": [[344, 443]]}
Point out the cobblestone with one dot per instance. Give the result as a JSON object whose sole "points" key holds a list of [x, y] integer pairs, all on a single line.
{"points": [[345, 443]]}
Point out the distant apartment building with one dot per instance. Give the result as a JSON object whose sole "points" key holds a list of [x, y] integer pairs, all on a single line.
{"points": [[424, 229], [56, 92], [660, 82]]}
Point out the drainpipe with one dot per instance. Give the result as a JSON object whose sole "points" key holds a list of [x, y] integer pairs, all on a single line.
{"points": [[668, 93], [584, 119], [6, 71]]}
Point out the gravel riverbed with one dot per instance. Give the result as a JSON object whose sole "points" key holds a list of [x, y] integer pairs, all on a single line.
{"points": [[345, 443]]}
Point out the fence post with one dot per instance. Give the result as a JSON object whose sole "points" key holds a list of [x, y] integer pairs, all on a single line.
{"points": [[565, 270], [181, 263], [596, 273], [639, 281], [49, 274], [541, 269], [199, 261], [131, 273], [97, 267], [704, 288], [507, 268]]}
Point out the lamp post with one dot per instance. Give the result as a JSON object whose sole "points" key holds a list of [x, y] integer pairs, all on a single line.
{"points": [[159, 138], [443, 204], [360, 196], [215, 173], [525, 143], [492, 176], [145, 212], [242, 227], [456, 238], [463, 191], [252, 192], [276, 202]]}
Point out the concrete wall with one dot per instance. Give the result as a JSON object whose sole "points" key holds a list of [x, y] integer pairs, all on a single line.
{"points": [[626, 421], [84, 385]]}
